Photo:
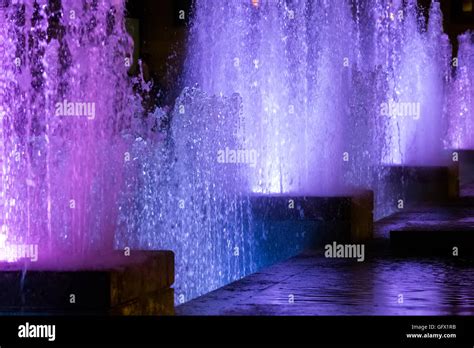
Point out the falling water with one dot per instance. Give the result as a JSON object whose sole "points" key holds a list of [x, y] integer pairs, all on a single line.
{"points": [[180, 196], [290, 62], [461, 97], [283, 97], [415, 55], [295, 64], [64, 73]]}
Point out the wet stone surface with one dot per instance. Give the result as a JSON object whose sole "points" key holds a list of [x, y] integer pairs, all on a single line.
{"points": [[384, 284]]}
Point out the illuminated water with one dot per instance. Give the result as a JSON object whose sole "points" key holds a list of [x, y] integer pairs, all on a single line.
{"points": [[329, 95], [283, 97], [461, 97], [63, 105]]}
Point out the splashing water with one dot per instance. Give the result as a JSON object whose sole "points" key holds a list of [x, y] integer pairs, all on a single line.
{"points": [[416, 59], [293, 97], [461, 97], [181, 196], [287, 64], [312, 78], [296, 65], [64, 106]]}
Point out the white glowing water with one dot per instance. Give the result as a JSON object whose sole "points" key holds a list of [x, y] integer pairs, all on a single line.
{"points": [[415, 57], [311, 78], [306, 73], [288, 62], [461, 97]]}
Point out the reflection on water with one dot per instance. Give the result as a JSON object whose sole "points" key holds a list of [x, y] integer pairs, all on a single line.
{"points": [[385, 286], [320, 286]]}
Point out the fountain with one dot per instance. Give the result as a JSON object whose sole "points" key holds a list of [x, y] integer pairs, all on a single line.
{"points": [[230, 186], [293, 110], [415, 57], [413, 54], [65, 106], [59, 134], [294, 78], [462, 97], [335, 99], [460, 108], [330, 93]]}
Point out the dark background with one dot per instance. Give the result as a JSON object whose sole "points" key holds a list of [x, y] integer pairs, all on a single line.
{"points": [[162, 43], [162, 37]]}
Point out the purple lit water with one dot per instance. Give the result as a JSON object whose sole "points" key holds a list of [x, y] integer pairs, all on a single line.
{"points": [[300, 84], [314, 76], [286, 62], [415, 55], [283, 97], [461, 96], [379, 286], [63, 105]]}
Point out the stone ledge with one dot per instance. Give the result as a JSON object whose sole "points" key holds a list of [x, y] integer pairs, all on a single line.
{"points": [[140, 285], [343, 218], [416, 184], [465, 166]]}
